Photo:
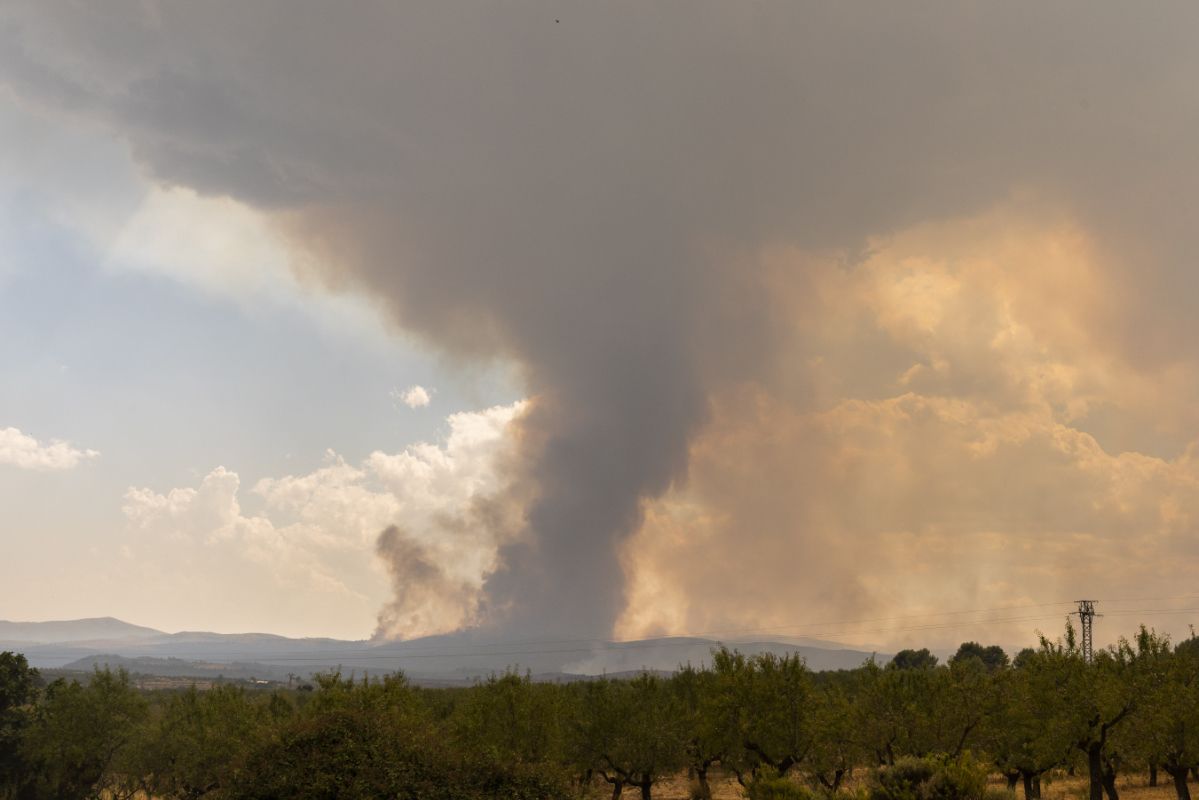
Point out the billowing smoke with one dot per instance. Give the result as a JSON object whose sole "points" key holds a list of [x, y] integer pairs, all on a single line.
{"points": [[420, 584], [588, 190]]}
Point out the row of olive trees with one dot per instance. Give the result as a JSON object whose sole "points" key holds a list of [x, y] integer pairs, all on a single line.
{"points": [[764, 719]]}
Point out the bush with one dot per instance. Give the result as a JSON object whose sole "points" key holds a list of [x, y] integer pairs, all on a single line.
{"points": [[771, 786], [930, 779], [902, 780], [963, 779]]}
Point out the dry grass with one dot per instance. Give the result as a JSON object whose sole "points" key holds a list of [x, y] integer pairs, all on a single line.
{"points": [[1131, 787], [1060, 787]]}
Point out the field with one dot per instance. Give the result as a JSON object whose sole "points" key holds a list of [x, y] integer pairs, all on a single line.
{"points": [[1131, 787], [1059, 787]]}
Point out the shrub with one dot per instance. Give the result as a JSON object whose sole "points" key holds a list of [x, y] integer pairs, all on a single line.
{"points": [[902, 780], [963, 779], [930, 779], [771, 786]]}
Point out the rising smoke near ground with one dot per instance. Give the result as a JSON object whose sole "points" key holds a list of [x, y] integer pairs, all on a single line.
{"points": [[651, 207]]}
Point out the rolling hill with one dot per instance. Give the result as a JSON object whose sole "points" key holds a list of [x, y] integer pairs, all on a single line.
{"points": [[458, 656]]}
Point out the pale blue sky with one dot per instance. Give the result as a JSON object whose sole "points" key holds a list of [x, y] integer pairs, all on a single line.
{"points": [[165, 378]]}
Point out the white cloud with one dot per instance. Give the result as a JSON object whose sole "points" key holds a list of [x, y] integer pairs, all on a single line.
{"points": [[316, 535], [414, 396], [210, 242], [26, 452], [229, 249]]}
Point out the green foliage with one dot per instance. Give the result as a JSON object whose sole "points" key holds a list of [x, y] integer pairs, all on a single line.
{"points": [[80, 734], [767, 700], [1188, 646], [1024, 657], [1164, 728], [18, 682], [930, 779], [629, 732], [18, 691], [913, 659], [902, 780], [837, 741], [510, 718], [348, 752], [510, 731], [992, 657], [1032, 731], [961, 779], [769, 785], [194, 747], [368, 739], [921, 712]]}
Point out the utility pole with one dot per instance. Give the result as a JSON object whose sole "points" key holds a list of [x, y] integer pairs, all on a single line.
{"points": [[1086, 615]]}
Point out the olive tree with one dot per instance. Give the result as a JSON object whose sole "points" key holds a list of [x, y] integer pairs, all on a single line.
{"points": [[631, 733], [1164, 729], [193, 748], [19, 685], [80, 732], [769, 700]]}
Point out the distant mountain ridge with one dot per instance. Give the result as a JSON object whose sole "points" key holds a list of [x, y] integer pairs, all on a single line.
{"points": [[74, 630], [455, 657]]}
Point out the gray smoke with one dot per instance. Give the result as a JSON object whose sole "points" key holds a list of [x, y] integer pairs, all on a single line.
{"points": [[419, 583], [583, 188]]}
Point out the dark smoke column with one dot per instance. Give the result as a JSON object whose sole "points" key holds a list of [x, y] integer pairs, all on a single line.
{"points": [[601, 446]]}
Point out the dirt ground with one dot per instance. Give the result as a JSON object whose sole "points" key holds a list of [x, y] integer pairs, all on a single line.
{"points": [[1131, 787]]}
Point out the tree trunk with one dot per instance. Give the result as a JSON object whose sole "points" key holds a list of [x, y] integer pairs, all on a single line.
{"points": [[1032, 785], [1095, 770], [701, 779], [1109, 781], [617, 789], [1153, 773], [1013, 778], [1180, 782], [1036, 785], [645, 784]]}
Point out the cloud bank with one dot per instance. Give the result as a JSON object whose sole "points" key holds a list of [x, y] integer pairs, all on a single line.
{"points": [[314, 536], [931, 245], [25, 452]]}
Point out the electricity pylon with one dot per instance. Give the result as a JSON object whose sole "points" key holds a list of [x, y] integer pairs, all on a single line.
{"points": [[1086, 615]]}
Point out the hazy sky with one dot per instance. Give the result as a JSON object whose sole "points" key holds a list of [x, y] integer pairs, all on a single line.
{"points": [[618, 319]]}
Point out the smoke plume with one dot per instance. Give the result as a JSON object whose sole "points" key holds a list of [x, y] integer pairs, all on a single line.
{"points": [[593, 191]]}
